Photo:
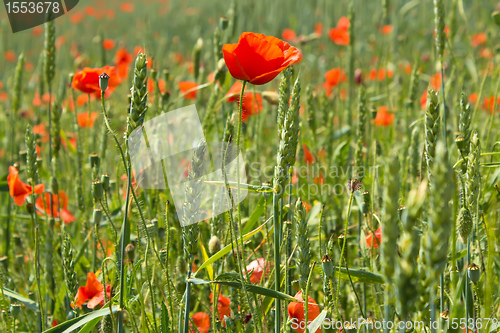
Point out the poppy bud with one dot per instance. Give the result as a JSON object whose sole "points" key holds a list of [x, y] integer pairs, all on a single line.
{"points": [[358, 76], [103, 81], [223, 23], [474, 273], [214, 245], [97, 216], [97, 190], [154, 74], [130, 252], [163, 257], [105, 182], [30, 208], [54, 185], [94, 160], [15, 310], [166, 75], [327, 264], [112, 185]]}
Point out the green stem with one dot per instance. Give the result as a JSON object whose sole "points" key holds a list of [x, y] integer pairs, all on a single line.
{"points": [[343, 247], [277, 264]]}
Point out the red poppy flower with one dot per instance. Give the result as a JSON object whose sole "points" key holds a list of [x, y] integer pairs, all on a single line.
{"points": [[222, 306], [289, 34], [308, 156], [59, 208], [76, 17], [18, 190], [383, 117], [332, 78], [123, 59], [127, 7], [386, 29], [87, 80], [340, 34], [10, 56], [85, 121], [252, 105], [108, 44], [185, 86], [485, 53], [257, 268], [489, 103], [202, 322], [234, 92], [479, 39], [378, 239], [297, 313], [41, 131], [257, 58], [318, 29], [92, 292]]}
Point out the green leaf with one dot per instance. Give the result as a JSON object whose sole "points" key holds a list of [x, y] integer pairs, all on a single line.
{"points": [[164, 319], [228, 248], [32, 305], [356, 275], [256, 214], [316, 323], [89, 320], [250, 287], [210, 270]]}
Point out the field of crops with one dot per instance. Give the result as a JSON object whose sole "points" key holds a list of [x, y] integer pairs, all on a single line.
{"points": [[314, 166]]}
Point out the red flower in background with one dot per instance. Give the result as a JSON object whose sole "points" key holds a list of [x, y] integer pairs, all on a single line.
{"points": [[340, 34], [202, 322], [234, 92], [318, 29], [383, 117], [332, 79], [18, 190], [87, 80], [489, 103], [123, 59], [84, 120], [296, 311], [308, 156], [378, 239], [185, 86], [59, 208], [289, 34], [252, 105], [108, 44], [257, 58], [92, 292], [479, 39], [258, 266], [222, 306]]}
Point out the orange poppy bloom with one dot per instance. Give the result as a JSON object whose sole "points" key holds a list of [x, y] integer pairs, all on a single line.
{"points": [[308, 156], [92, 292], [87, 80], [127, 7], [340, 34], [18, 190], [10, 56], [85, 121], [334, 76], [257, 58], [37, 31], [108, 44], [297, 313], [60, 203], [473, 98], [257, 267], [479, 39], [234, 92], [185, 86], [436, 81], [252, 105], [378, 239], [289, 34], [202, 322], [222, 306], [489, 103], [383, 117], [485, 53], [76, 17], [386, 29], [318, 29]]}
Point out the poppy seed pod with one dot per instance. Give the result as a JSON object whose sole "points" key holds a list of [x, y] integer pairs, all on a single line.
{"points": [[327, 264], [130, 252], [15, 310], [103, 81], [97, 190], [105, 182], [97, 216], [474, 273], [223, 23], [214, 245], [94, 160]]}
